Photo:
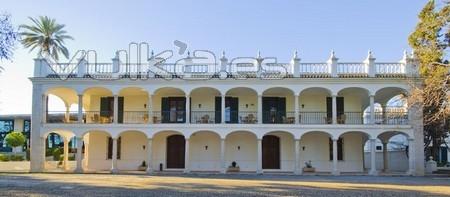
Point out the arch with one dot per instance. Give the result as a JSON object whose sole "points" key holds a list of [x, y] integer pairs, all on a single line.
{"points": [[271, 152], [170, 131], [243, 131], [318, 131], [387, 135], [83, 134], [127, 91], [169, 89], [242, 88], [354, 88], [316, 89], [207, 131], [278, 90], [383, 95], [99, 89], [274, 132], [367, 135], [62, 132], [67, 95], [209, 88], [127, 131]]}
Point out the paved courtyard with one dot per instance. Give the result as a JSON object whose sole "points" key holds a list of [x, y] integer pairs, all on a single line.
{"points": [[18, 184]]}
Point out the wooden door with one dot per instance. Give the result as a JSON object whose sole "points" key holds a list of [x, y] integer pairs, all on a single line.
{"points": [[175, 151], [271, 152]]}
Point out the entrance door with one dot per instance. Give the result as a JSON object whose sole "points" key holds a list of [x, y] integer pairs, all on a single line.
{"points": [[173, 109], [271, 152], [175, 151]]}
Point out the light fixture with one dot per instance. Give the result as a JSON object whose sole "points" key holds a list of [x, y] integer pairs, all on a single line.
{"points": [[246, 105], [145, 105], [303, 105], [206, 147], [199, 106], [143, 147], [239, 147]]}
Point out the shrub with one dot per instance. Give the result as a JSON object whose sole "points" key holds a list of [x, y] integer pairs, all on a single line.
{"points": [[16, 158], [15, 139], [4, 157], [72, 158], [57, 152]]}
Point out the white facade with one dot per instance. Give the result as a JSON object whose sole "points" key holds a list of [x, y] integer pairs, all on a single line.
{"points": [[302, 124]]}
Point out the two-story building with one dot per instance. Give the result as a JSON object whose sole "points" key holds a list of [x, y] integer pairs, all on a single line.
{"points": [[197, 116]]}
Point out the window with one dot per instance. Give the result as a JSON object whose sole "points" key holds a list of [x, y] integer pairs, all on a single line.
{"points": [[26, 126], [110, 147], [6, 126], [340, 144]]}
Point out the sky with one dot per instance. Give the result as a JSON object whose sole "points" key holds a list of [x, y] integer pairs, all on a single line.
{"points": [[274, 27]]}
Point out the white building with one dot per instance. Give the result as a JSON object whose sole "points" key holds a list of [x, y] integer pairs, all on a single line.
{"points": [[197, 116]]}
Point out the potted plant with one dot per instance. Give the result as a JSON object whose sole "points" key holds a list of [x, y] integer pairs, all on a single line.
{"points": [[143, 166], [308, 167], [233, 167]]}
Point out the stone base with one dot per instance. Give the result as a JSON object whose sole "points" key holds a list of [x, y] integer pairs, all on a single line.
{"points": [[233, 169], [306, 169]]}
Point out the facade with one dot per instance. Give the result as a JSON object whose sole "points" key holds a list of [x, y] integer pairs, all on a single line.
{"points": [[16, 122], [193, 116]]}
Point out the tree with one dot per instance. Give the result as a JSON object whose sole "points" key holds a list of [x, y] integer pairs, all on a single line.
{"points": [[8, 37], [47, 36], [430, 40], [15, 139]]}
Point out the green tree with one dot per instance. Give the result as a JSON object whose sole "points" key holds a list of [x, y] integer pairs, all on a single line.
{"points": [[15, 139], [47, 36], [430, 40]]}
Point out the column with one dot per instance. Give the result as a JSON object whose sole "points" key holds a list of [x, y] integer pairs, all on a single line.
{"points": [[385, 156], [222, 104], [335, 158], [411, 157], [116, 109], [260, 112], [373, 163], [372, 109], [384, 114], [186, 157], [223, 165], [296, 112], [66, 154], [188, 109], [80, 108], [67, 114], [149, 156], [44, 108], [79, 168], [149, 109], [114, 156], [259, 152], [297, 169], [334, 109]]}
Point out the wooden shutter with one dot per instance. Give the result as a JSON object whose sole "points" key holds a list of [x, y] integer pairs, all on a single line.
{"points": [[218, 109]]}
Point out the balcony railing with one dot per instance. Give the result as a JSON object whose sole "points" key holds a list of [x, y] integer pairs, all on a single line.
{"points": [[135, 117], [61, 117], [315, 118], [205, 117], [350, 118], [245, 117], [278, 117], [159, 117], [98, 117]]}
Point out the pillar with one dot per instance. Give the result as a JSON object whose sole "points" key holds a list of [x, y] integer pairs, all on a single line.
{"points": [[373, 163], [372, 109], [260, 112], [259, 152], [80, 108], [149, 156], [384, 114], [37, 143], [223, 165], [411, 157], [334, 109], [385, 156], [186, 157], [79, 168], [114, 156], [335, 158], [297, 166], [45, 108], [222, 104], [67, 114], [188, 109], [296, 108], [116, 109], [66, 154], [149, 109]]}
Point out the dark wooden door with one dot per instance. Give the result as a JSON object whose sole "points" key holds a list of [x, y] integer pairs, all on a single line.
{"points": [[173, 109], [274, 109], [175, 151], [271, 152], [231, 109]]}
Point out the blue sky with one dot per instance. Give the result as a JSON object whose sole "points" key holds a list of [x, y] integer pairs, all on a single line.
{"points": [[276, 28]]}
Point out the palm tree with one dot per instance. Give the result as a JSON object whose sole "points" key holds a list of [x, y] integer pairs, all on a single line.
{"points": [[46, 35]]}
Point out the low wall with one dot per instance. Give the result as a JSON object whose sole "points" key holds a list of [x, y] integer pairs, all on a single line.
{"points": [[397, 161]]}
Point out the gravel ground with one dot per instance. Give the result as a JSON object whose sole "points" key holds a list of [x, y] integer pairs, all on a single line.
{"points": [[218, 185]]}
